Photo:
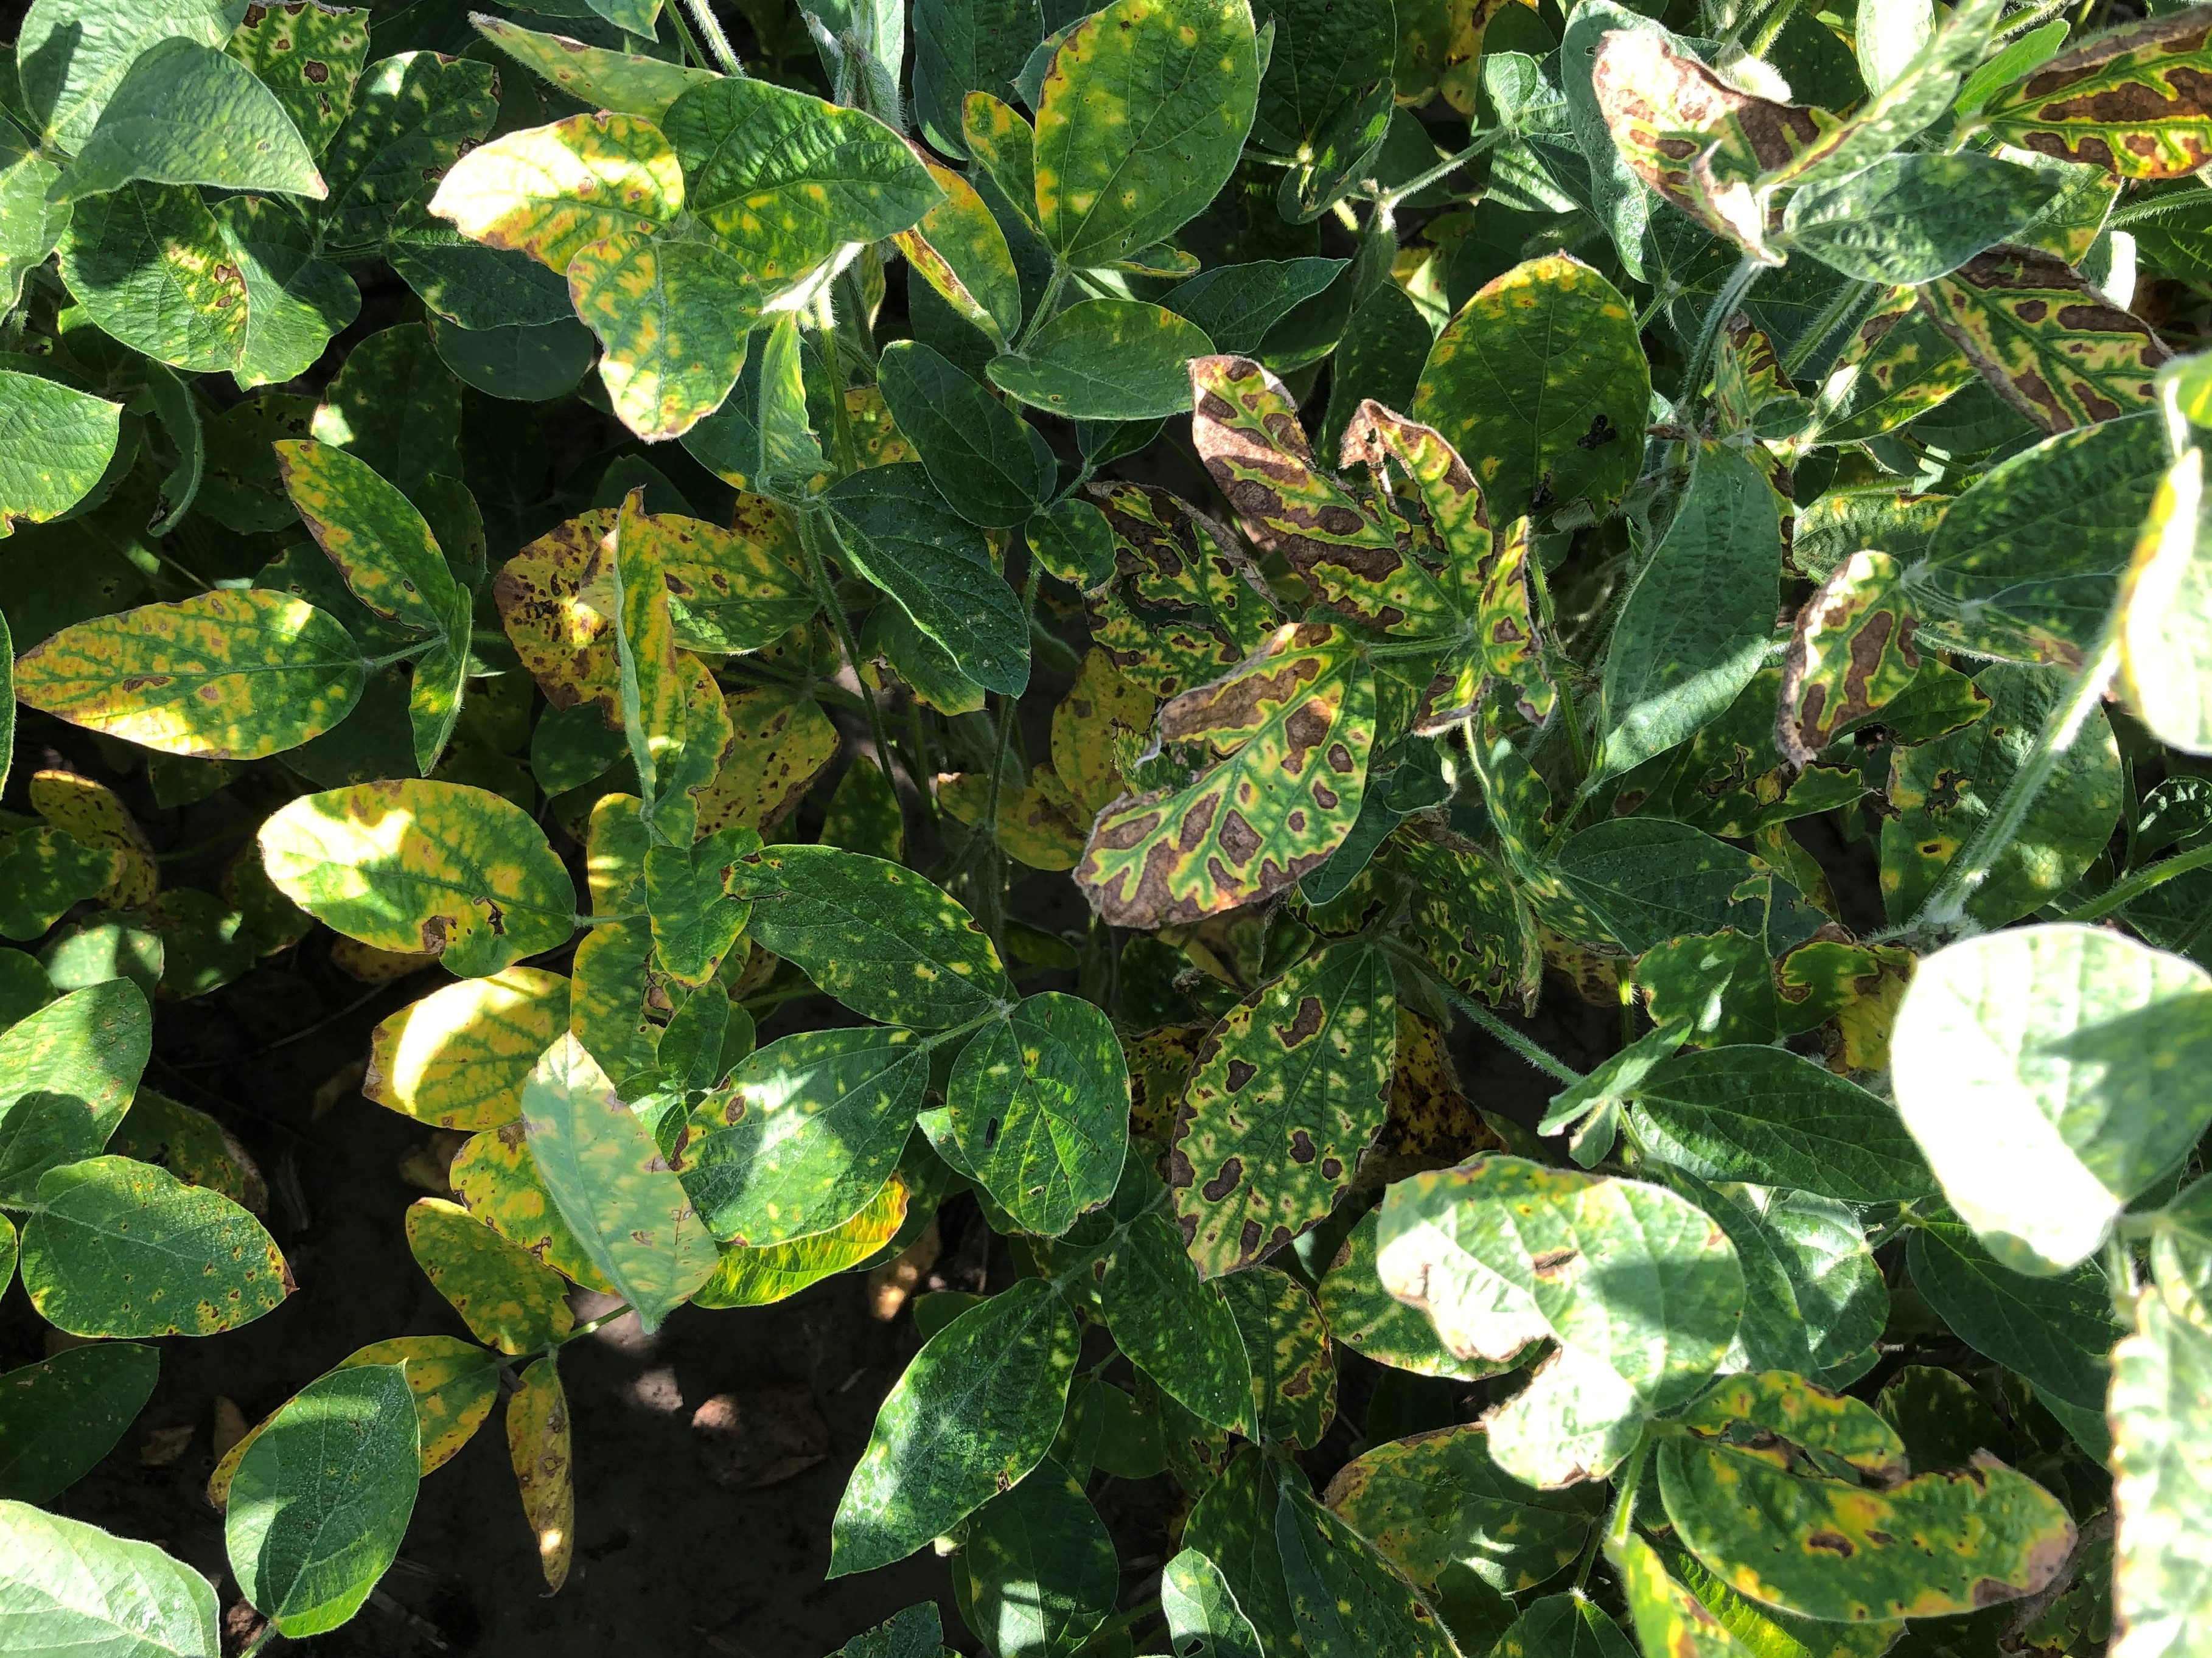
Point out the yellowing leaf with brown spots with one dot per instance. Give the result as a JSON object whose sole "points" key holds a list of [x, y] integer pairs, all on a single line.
{"points": [[2048, 343], [1291, 730], [1850, 654], [959, 250], [1287, 1092], [672, 320], [2135, 100], [607, 992], [457, 1059], [538, 1445], [1185, 604], [672, 708], [234, 674], [776, 1272], [1038, 822], [422, 866], [551, 191], [455, 1384], [780, 741], [93, 815], [505, 1295], [1098, 730], [496, 1177]]}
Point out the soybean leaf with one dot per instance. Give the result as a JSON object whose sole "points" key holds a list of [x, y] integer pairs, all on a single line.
{"points": [[2127, 100], [2045, 340], [1104, 359], [2077, 1056], [745, 1277], [190, 114], [1204, 1619], [538, 1445], [1639, 1288], [1184, 603], [2160, 1374], [1768, 1116], [1040, 1106], [68, 1587], [413, 116], [959, 248], [1648, 879], [1144, 110], [694, 924], [321, 1499], [599, 1165], [1173, 1327], [2164, 655], [58, 1418], [1999, 1534], [229, 675], [626, 81], [148, 266], [807, 1130], [454, 1383], [1286, 1345], [1437, 1503], [665, 313], [1673, 667], [118, 1247], [57, 442], [975, 1410], [1235, 304], [552, 192], [1042, 1565], [1564, 1627], [497, 1178], [1909, 219], [1541, 378], [72, 56], [1368, 1319], [2056, 1332], [961, 47], [1344, 1597], [421, 865], [374, 534], [1288, 1091], [67, 1074], [1943, 790], [1233, 1525], [895, 530], [507, 1298], [1293, 725], [2026, 563], [458, 1058], [990, 466], [295, 300], [885, 941], [311, 59]]}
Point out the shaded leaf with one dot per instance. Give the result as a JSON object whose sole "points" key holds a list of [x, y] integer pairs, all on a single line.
{"points": [[507, 1298]]}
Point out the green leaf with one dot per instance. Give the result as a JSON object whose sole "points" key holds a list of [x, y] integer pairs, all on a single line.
{"points": [[191, 114], [465, 281], [295, 300], [1564, 1627], [2056, 1331], [1204, 1620], [310, 56], [975, 1410], [1648, 880], [321, 1499], [1044, 1566], [1673, 666], [413, 116], [507, 1298], [1287, 1092], [672, 712], [29, 224], [1287, 1345], [1909, 219], [1292, 725], [1820, 1548], [68, 1587], [782, 179], [1637, 1286], [809, 1129], [1368, 1319], [522, 364], [72, 56], [883, 940], [2161, 1378], [1437, 1504], [1344, 1600], [42, 873], [1771, 1117], [667, 316], [990, 466], [624, 81], [693, 923], [961, 47], [758, 1278], [57, 442], [70, 1070], [419, 865], [598, 1162], [1541, 378], [1144, 109], [2165, 655], [1236, 305], [232, 674], [2026, 563], [1942, 792], [2129, 99], [551, 191], [148, 266], [2045, 339], [1105, 359], [1039, 1104], [1813, 1300], [372, 533], [896, 531], [1173, 1327], [58, 1418], [1233, 1525], [2051, 1075], [118, 1247]]}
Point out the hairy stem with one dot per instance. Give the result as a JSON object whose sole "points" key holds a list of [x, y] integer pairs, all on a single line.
{"points": [[1723, 307], [2124, 892], [813, 524], [1817, 331], [702, 12], [1539, 1057]]}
